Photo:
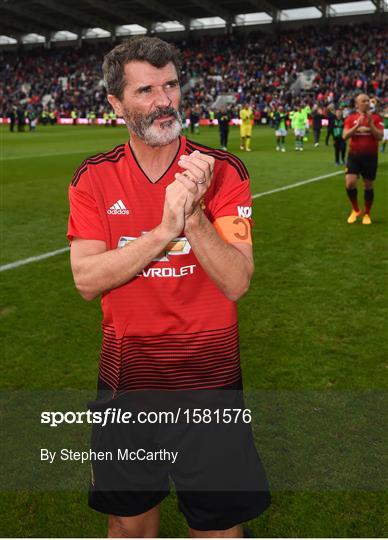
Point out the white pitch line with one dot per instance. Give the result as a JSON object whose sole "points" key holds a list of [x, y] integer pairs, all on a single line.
{"points": [[302, 183], [22, 262]]}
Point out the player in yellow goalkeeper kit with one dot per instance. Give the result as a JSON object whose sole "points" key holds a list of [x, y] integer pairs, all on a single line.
{"points": [[246, 116]]}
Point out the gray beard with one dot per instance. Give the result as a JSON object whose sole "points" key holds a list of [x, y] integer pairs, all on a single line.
{"points": [[143, 127]]}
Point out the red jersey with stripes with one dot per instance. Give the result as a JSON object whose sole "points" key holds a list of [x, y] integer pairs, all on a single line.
{"points": [[364, 142], [170, 327]]}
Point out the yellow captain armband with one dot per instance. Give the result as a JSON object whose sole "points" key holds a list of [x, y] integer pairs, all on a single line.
{"points": [[234, 229]]}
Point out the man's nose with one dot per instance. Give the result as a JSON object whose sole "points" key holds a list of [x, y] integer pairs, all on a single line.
{"points": [[162, 98]]}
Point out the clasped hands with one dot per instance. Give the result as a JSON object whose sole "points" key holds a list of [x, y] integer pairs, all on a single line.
{"points": [[184, 194], [364, 129], [195, 178]]}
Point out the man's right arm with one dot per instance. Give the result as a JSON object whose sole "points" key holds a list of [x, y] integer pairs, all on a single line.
{"points": [[96, 270]]}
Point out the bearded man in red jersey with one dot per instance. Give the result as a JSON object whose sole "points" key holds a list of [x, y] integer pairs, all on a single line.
{"points": [[160, 228], [364, 130]]}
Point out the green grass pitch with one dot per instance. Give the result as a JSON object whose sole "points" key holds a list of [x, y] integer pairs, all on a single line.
{"points": [[314, 318]]}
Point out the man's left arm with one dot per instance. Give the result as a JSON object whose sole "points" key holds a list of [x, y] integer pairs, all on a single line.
{"points": [[224, 249], [229, 265], [376, 130]]}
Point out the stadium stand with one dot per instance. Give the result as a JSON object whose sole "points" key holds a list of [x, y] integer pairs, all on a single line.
{"points": [[320, 64]]}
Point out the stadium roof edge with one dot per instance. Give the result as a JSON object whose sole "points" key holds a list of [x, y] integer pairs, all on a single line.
{"points": [[85, 18]]}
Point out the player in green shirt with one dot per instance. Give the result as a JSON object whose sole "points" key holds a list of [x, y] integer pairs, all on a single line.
{"points": [[385, 135], [32, 119], [279, 119], [299, 126]]}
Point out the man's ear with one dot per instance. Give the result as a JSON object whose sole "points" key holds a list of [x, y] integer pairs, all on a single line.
{"points": [[116, 104]]}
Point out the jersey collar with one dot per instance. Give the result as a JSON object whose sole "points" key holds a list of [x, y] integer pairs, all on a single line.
{"points": [[168, 173]]}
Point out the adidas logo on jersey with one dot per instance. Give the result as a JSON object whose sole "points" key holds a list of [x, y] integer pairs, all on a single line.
{"points": [[118, 208]]}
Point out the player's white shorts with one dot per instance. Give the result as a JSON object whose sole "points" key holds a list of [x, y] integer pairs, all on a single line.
{"points": [[307, 125], [299, 132], [281, 132], [385, 135]]}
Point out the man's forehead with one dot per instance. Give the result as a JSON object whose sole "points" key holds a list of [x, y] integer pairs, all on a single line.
{"points": [[144, 74]]}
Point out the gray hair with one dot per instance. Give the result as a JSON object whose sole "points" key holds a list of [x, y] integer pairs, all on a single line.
{"points": [[153, 50]]}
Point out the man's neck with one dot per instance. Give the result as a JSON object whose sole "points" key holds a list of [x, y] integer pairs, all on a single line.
{"points": [[154, 160]]}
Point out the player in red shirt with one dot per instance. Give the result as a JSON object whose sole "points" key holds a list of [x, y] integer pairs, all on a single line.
{"points": [[364, 130], [160, 228]]}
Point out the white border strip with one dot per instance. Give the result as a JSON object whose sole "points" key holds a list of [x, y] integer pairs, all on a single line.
{"points": [[22, 262]]}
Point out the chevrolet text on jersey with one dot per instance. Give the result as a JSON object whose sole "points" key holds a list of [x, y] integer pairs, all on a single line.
{"points": [[168, 272]]}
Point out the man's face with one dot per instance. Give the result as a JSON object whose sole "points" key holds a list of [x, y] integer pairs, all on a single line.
{"points": [[363, 103], [150, 103]]}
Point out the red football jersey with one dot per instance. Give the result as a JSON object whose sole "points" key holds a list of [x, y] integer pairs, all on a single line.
{"points": [[363, 143], [170, 327]]}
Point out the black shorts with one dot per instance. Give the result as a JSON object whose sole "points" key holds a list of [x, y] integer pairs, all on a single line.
{"points": [[217, 473], [364, 165]]}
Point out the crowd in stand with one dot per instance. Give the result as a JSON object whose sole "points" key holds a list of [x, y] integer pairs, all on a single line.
{"points": [[57, 80], [345, 60], [262, 70]]}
